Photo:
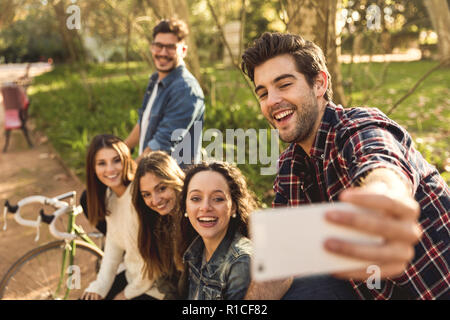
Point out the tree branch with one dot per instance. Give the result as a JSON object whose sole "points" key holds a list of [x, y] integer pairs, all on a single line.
{"points": [[227, 45], [413, 88], [127, 54], [242, 27]]}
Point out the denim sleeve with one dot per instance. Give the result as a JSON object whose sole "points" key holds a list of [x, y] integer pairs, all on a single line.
{"points": [[238, 278], [182, 107]]}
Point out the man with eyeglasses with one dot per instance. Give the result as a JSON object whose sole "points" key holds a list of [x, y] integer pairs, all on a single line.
{"points": [[173, 100], [173, 107]]}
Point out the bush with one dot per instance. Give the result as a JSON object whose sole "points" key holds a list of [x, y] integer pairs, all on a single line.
{"points": [[71, 108]]}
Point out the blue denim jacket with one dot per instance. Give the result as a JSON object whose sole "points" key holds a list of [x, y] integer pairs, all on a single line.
{"points": [[226, 276], [179, 104]]}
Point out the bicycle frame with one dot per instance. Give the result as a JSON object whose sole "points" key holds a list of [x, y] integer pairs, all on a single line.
{"points": [[74, 231], [69, 252], [70, 249]]}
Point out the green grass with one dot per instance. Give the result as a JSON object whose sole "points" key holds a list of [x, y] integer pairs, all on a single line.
{"points": [[425, 113], [71, 109], [72, 106]]}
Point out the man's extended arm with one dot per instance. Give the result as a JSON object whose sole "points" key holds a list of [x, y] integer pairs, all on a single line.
{"points": [[384, 181], [145, 152], [133, 138], [268, 290], [385, 192]]}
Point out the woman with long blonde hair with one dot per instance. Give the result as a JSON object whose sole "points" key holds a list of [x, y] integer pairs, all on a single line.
{"points": [[158, 183]]}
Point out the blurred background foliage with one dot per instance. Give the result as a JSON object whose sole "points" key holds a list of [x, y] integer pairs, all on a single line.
{"points": [[101, 69]]}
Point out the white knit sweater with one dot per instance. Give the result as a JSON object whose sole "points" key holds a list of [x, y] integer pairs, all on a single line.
{"points": [[121, 244]]}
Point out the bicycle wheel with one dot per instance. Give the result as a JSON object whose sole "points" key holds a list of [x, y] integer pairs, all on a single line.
{"points": [[36, 275]]}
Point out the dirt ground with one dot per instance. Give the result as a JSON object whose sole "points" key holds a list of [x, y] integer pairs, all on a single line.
{"points": [[25, 172]]}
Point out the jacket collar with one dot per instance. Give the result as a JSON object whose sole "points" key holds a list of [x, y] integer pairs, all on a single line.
{"points": [[174, 74], [194, 253]]}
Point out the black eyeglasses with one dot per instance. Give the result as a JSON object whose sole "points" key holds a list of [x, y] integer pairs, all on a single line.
{"points": [[158, 46]]}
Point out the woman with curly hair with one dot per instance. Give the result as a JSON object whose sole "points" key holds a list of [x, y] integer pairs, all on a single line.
{"points": [[213, 237]]}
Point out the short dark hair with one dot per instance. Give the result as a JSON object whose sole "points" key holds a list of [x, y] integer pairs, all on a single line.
{"points": [[176, 26], [309, 58]]}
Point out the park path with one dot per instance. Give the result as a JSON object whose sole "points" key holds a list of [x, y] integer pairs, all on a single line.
{"points": [[25, 172]]}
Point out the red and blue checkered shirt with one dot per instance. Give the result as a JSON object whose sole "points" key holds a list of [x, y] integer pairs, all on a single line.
{"points": [[349, 144]]}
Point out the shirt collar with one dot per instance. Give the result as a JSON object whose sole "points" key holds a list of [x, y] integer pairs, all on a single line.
{"points": [[194, 253], [175, 73]]}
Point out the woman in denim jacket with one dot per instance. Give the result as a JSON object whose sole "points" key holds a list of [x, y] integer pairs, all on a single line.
{"points": [[213, 235]]}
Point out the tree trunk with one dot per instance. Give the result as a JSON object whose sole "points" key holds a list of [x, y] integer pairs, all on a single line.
{"points": [[316, 21], [7, 13], [440, 17], [71, 38], [182, 9]]}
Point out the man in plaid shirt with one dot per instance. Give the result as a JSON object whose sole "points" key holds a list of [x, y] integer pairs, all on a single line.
{"points": [[354, 155]]}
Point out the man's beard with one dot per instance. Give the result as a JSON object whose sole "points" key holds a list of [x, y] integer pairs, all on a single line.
{"points": [[166, 70], [169, 60], [306, 119]]}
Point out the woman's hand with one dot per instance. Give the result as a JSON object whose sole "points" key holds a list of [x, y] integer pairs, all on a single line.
{"points": [[91, 296], [120, 296]]}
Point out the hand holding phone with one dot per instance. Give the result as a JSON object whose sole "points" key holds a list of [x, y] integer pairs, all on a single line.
{"points": [[290, 241]]}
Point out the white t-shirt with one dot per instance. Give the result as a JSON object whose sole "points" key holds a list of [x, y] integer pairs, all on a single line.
{"points": [[145, 118], [122, 245]]}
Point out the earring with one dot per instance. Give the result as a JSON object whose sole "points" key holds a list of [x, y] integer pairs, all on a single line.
{"points": [[234, 215], [185, 214]]}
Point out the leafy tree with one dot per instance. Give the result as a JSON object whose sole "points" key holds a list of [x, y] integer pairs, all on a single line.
{"points": [[440, 17], [316, 21], [32, 38]]}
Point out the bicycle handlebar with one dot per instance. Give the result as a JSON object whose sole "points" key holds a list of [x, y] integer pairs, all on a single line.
{"points": [[61, 206], [66, 195], [46, 218], [10, 208], [39, 199], [57, 234]]}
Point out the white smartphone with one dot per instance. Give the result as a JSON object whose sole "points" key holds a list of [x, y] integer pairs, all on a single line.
{"points": [[289, 241]]}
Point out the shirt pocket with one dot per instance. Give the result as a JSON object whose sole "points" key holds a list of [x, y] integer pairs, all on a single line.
{"points": [[213, 292], [433, 232]]}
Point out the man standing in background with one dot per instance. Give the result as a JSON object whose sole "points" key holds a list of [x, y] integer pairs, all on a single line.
{"points": [[173, 100]]}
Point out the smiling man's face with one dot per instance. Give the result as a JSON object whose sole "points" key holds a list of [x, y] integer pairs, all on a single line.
{"points": [[287, 101], [167, 53]]}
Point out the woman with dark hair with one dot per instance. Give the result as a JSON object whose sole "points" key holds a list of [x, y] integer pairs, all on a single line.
{"points": [[109, 173], [158, 183], [216, 204]]}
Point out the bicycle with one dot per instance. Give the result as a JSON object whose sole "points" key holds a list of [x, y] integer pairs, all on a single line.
{"points": [[60, 269]]}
